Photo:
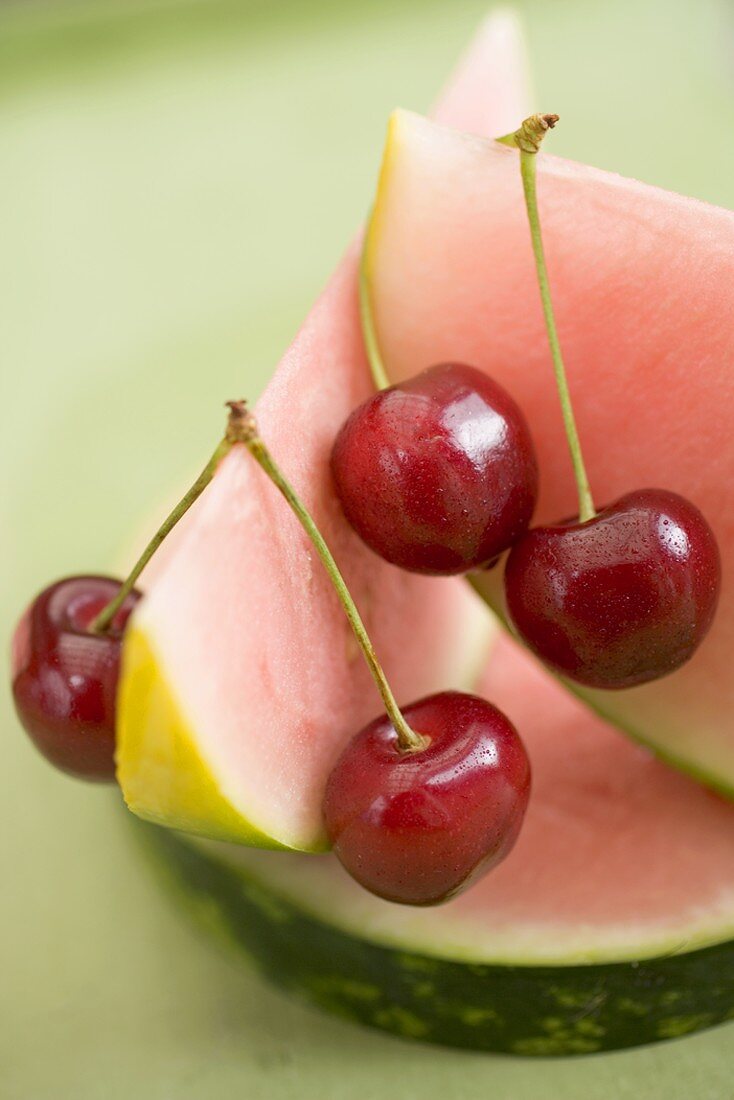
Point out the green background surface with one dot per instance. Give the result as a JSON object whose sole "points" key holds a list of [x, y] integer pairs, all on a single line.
{"points": [[176, 182]]}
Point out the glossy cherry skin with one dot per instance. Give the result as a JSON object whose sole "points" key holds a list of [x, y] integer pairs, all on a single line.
{"points": [[65, 677], [622, 599], [437, 474], [417, 828]]}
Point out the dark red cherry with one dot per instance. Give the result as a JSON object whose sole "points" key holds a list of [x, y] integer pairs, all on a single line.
{"points": [[624, 598], [65, 677], [419, 827], [437, 474]]}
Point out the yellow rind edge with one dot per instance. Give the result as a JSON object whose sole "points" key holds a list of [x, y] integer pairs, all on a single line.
{"points": [[163, 776], [389, 156]]}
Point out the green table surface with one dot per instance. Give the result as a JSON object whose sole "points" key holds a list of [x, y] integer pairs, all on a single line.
{"points": [[176, 182]]}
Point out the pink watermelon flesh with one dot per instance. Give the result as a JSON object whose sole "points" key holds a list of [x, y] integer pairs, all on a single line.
{"points": [[642, 283], [619, 856], [246, 624], [612, 833], [268, 673], [488, 92]]}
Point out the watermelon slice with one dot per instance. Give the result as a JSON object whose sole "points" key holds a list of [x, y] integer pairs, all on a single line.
{"points": [[241, 680], [641, 281], [610, 924]]}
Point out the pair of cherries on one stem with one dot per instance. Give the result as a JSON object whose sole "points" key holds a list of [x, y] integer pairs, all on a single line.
{"points": [[421, 802], [439, 475]]}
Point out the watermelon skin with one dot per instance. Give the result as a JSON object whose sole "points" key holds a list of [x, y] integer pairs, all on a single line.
{"points": [[520, 1010]]}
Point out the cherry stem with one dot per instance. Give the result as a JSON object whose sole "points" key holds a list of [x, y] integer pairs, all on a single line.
{"points": [[528, 140], [369, 333], [103, 621], [408, 739]]}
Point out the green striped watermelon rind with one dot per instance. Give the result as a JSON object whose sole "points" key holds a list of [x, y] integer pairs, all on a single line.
{"points": [[522, 1010]]}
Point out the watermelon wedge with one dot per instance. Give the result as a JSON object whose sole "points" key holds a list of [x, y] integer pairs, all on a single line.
{"points": [[641, 281], [241, 680], [611, 923]]}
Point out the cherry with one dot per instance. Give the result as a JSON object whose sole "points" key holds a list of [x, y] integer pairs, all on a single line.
{"points": [[67, 647], [419, 827], [415, 809], [437, 474], [624, 598], [65, 675]]}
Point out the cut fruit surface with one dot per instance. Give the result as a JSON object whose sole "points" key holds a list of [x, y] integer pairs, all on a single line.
{"points": [[610, 924], [241, 681], [641, 281], [619, 856]]}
